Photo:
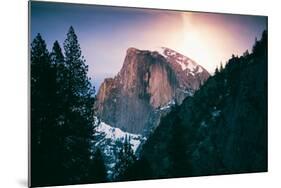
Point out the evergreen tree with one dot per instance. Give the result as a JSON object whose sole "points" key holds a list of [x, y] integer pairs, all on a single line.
{"points": [[260, 47], [42, 116], [79, 97], [57, 150], [62, 118], [79, 82], [246, 53], [126, 159], [216, 71], [57, 59], [97, 172]]}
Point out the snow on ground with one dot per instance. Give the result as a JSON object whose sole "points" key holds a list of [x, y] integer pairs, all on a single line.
{"points": [[200, 69], [160, 50], [168, 105], [203, 124], [215, 112], [110, 141], [191, 65], [183, 65], [116, 134]]}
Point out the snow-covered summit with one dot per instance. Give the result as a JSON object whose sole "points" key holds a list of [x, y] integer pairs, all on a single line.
{"points": [[187, 65]]}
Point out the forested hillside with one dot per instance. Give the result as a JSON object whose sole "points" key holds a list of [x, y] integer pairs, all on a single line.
{"points": [[222, 129]]}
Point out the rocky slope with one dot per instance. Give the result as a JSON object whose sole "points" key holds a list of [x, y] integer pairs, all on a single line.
{"points": [[147, 82]]}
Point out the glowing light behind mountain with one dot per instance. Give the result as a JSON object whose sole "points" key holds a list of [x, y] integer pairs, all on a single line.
{"points": [[105, 33]]}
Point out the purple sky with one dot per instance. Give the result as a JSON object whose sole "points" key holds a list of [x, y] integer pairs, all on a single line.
{"points": [[105, 33]]}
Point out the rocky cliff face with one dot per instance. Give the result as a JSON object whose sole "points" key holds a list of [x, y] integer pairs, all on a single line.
{"points": [[147, 82]]}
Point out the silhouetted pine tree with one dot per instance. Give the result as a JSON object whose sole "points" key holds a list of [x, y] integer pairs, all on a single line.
{"points": [[260, 47], [43, 117], [97, 172], [216, 70], [79, 97], [125, 160], [62, 120], [57, 150], [57, 59]]}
